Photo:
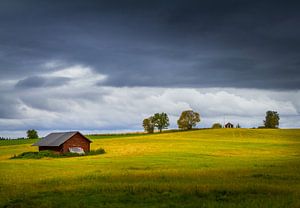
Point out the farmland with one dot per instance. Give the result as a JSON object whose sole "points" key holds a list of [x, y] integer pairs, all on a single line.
{"points": [[203, 168]]}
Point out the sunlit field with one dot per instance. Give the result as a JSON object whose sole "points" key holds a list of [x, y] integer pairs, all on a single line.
{"points": [[203, 168]]}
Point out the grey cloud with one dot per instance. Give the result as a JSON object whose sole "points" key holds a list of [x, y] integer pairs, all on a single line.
{"points": [[9, 107], [39, 81], [70, 109]]}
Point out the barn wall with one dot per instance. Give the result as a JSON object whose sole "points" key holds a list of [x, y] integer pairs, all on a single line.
{"points": [[76, 141], [55, 149]]}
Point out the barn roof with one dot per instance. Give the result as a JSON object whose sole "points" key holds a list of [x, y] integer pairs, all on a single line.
{"points": [[56, 139]]}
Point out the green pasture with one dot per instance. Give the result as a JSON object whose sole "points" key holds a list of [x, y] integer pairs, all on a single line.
{"points": [[5, 142], [202, 168]]}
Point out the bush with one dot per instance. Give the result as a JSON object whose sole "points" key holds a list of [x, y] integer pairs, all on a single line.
{"points": [[35, 155], [216, 126], [96, 152], [48, 153], [71, 154]]}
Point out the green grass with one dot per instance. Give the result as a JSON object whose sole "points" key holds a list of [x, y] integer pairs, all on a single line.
{"points": [[4, 142], [51, 154], [205, 168]]}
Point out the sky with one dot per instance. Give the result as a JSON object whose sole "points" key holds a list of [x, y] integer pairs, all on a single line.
{"points": [[104, 66]]}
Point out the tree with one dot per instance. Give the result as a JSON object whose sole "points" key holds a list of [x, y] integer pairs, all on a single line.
{"points": [[161, 121], [272, 119], [216, 126], [188, 119], [32, 134], [238, 126], [148, 124]]}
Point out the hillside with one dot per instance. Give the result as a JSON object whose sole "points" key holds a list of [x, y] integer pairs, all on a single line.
{"points": [[203, 168]]}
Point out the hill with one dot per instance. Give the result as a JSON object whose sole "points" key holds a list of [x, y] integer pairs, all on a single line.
{"points": [[203, 168]]}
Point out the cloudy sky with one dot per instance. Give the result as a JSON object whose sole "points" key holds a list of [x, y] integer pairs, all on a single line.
{"points": [[103, 66]]}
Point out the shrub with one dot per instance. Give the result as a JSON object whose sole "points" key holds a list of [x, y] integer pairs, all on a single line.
{"points": [[96, 152], [48, 153], [216, 126], [35, 155], [71, 154]]}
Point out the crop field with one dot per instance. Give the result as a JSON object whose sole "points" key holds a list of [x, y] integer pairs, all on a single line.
{"points": [[201, 168]]}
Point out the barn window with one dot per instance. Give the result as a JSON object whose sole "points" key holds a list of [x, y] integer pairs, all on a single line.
{"points": [[77, 150]]}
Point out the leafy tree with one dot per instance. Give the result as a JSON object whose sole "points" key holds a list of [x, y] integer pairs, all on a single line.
{"points": [[272, 119], [161, 121], [188, 119], [148, 124], [32, 134], [238, 126], [216, 126]]}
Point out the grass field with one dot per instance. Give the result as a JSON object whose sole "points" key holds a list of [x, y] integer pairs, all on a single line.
{"points": [[203, 168]]}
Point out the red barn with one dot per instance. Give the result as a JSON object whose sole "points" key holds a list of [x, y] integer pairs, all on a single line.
{"points": [[63, 142]]}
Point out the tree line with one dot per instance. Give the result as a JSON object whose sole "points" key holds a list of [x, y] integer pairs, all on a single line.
{"points": [[189, 119], [31, 134]]}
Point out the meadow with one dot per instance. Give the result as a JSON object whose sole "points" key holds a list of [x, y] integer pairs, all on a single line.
{"points": [[202, 168]]}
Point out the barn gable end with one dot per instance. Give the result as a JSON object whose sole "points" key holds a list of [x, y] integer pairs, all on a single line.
{"points": [[77, 141]]}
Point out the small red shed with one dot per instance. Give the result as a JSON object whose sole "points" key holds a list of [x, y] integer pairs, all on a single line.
{"points": [[63, 142]]}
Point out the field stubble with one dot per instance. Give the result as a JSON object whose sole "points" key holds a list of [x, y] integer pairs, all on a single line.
{"points": [[205, 168]]}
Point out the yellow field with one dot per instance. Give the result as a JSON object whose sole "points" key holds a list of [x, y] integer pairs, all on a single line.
{"points": [[203, 168]]}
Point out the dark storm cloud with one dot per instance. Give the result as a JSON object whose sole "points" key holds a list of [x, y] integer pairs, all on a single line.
{"points": [[252, 44]]}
